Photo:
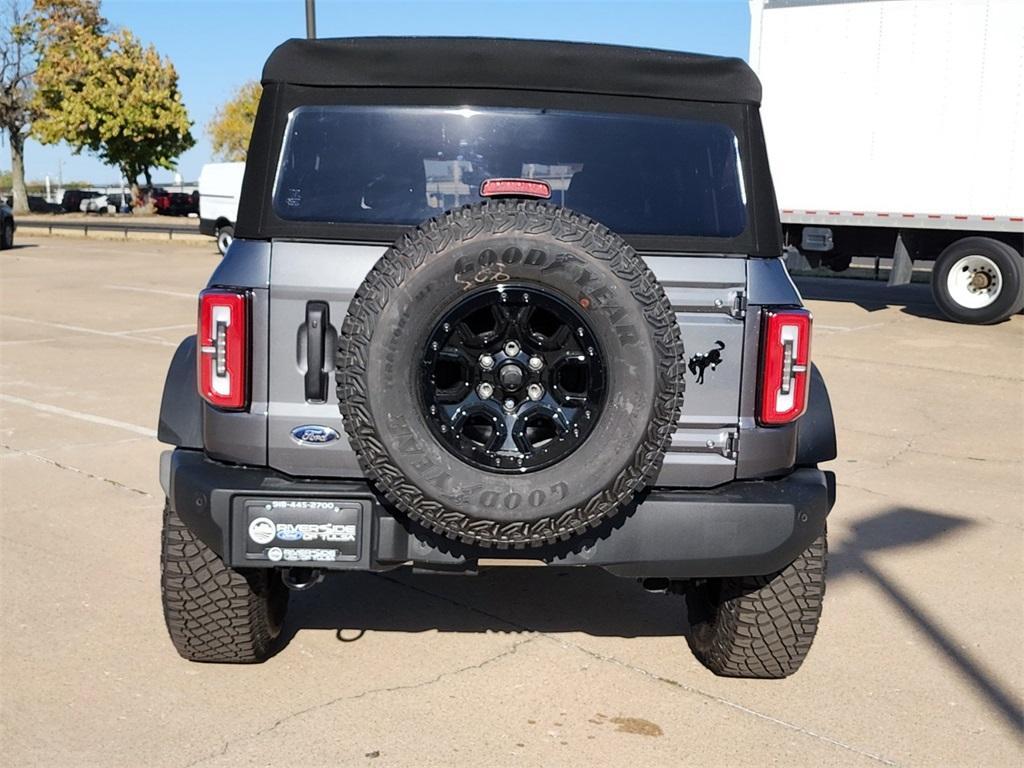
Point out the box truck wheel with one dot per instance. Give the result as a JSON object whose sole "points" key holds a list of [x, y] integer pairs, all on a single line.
{"points": [[225, 235], [978, 280]]}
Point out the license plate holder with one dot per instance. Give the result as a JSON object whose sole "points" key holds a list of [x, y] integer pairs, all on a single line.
{"points": [[302, 532]]}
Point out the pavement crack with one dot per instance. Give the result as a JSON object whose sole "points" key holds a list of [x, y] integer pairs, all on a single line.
{"points": [[987, 518], [78, 471], [654, 677], [510, 651], [76, 446], [719, 700], [908, 445], [866, 490]]}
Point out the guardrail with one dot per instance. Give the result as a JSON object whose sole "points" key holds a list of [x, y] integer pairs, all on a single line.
{"points": [[110, 229]]}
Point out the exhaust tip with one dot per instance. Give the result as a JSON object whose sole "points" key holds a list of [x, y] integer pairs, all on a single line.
{"points": [[300, 579], [660, 585]]}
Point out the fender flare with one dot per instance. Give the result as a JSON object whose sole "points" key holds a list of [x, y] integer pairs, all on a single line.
{"points": [[816, 430], [181, 408]]}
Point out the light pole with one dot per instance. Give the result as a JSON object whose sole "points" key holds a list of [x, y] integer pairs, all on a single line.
{"points": [[311, 19]]}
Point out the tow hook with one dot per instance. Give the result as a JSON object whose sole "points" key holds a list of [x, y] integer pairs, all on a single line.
{"points": [[301, 579]]}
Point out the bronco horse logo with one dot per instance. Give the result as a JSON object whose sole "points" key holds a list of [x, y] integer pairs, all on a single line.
{"points": [[704, 360]]}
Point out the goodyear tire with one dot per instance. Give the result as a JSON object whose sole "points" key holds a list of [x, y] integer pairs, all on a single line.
{"points": [[521, 249]]}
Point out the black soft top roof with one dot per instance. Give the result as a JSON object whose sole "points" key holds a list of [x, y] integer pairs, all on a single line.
{"points": [[534, 65]]}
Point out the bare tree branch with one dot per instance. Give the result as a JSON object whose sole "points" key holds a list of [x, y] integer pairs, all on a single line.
{"points": [[17, 68]]}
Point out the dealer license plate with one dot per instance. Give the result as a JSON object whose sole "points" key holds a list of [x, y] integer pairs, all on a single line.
{"points": [[302, 531]]}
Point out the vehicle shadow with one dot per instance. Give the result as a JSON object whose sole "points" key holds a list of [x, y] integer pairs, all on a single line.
{"points": [[871, 295], [592, 601], [499, 599], [19, 246], [902, 527]]}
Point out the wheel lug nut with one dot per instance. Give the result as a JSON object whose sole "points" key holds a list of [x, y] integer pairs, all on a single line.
{"points": [[486, 362], [485, 390], [511, 348], [536, 363], [535, 391], [510, 405]]}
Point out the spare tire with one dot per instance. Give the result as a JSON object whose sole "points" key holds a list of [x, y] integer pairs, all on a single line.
{"points": [[510, 374]]}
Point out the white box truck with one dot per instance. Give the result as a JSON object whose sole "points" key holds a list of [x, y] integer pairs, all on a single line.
{"points": [[220, 185], [895, 128]]}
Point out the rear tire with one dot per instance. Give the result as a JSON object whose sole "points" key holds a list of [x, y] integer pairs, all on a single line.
{"points": [[759, 626], [7, 235], [999, 290], [214, 612], [225, 235]]}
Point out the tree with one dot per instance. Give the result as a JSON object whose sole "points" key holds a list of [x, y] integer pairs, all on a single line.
{"points": [[17, 65], [231, 126], [105, 92]]}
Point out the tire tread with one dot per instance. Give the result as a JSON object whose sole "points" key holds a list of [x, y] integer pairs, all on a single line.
{"points": [[759, 626], [212, 611], [431, 239]]}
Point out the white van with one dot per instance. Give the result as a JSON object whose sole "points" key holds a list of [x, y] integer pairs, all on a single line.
{"points": [[219, 187]]}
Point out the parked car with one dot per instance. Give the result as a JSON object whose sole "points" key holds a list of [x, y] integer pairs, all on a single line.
{"points": [[506, 379], [160, 199], [178, 204], [220, 185], [39, 204], [115, 203], [98, 204], [72, 200], [7, 226]]}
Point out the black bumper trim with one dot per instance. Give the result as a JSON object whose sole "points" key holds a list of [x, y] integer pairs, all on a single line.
{"points": [[744, 528]]}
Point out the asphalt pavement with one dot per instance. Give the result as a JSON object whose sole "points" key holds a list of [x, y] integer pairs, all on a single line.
{"points": [[918, 661]]}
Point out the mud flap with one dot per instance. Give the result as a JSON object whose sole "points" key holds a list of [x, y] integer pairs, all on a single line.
{"points": [[902, 264]]}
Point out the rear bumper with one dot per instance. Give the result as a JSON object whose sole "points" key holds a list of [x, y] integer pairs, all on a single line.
{"points": [[744, 528]]}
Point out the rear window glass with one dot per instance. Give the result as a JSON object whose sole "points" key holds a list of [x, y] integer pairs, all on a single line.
{"points": [[401, 165]]}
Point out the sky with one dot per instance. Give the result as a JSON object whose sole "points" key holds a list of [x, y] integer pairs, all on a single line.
{"points": [[216, 45]]}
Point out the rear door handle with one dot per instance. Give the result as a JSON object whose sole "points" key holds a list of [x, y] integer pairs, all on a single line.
{"points": [[318, 318]]}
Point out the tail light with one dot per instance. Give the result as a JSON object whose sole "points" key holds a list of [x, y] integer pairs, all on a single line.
{"points": [[223, 357], [785, 365]]}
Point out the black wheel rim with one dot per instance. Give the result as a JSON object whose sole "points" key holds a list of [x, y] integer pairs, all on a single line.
{"points": [[512, 379]]}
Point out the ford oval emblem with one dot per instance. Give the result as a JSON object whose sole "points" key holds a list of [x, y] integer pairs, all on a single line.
{"points": [[314, 434]]}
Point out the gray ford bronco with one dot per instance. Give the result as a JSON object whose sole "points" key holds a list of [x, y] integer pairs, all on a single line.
{"points": [[470, 282]]}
